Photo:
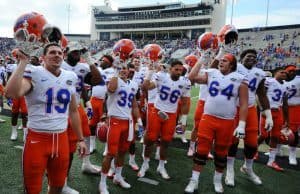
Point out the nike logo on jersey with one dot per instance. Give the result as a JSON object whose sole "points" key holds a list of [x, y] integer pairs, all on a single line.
{"points": [[43, 80], [34, 141]]}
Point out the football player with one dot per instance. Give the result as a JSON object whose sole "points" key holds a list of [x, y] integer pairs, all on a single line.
{"points": [[50, 94], [86, 73], [293, 87], [276, 92], [162, 116], [121, 104], [225, 88]]}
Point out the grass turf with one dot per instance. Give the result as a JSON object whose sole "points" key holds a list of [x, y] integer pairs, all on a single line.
{"points": [[179, 168]]}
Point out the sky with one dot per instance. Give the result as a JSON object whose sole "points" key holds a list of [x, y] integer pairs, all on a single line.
{"points": [[246, 13]]}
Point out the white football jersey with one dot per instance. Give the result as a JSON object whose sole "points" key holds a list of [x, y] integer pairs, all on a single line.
{"points": [[169, 91], [275, 92], [119, 103], [10, 68], [81, 70], [223, 93], [153, 93], [48, 102], [139, 76], [254, 76], [2, 74], [293, 89], [100, 90]]}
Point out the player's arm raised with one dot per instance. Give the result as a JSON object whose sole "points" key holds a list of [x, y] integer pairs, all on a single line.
{"points": [[18, 86], [147, 84], [194, 75]]}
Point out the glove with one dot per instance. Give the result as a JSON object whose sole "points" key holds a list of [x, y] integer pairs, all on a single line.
{"points": [[164, 116], [88, 109], [225, 49], [205, 58], [9, 102], [179, 129], [140, 128], [269, 121], [87, 57], [239, 132]]}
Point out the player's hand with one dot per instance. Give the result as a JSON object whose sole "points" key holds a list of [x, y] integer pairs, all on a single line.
{"points": [[85, 55], [239, 132], [82, 148], [140, 128], [23, 57], [269, 121], [88, 109]]}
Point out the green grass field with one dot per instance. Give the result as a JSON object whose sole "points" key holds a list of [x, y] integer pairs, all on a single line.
{"points": [[179, 168]]}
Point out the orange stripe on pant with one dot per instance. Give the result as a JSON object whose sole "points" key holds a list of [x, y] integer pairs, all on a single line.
{"points": [[45, 151], [217, 130], [294, 117], [19, 105], [117, 136], [160, 128], [97, 106], [85, 129]]}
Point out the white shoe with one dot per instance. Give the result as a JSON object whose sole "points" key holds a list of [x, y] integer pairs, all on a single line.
{"points": [[68, 190], [121, 182], [163, 172], [143, 170], [133, 165], [190, 152], [20, 127], [251, 175], [90, 168], [14, 135], [229, 179], [103, 189], [192, 186], [183, 139], [111, 172], [292, 160], [218, 184], [92, 144], [2, 120]]}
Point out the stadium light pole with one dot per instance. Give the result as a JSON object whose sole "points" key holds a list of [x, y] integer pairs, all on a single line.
{"points": [[69, 10], [267, 18], [232, 2]]}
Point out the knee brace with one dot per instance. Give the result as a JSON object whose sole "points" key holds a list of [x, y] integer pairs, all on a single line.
{"points": [[233, 150], [249, 151], [220, 162], [199, 159]]}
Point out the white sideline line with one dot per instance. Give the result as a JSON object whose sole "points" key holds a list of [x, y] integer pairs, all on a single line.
{"points": [[149, 181], [19, 147]]}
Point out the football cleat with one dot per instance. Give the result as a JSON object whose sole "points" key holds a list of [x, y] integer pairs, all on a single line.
{"points": [[90, 168], [143, 170], [121, 182], [251, 175], [163, 172], [183, 138], [103, 188], [218, 184], [192, 186], [293, 160], [14, 135], [133, 165], [68, 190], [275, 166]]}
